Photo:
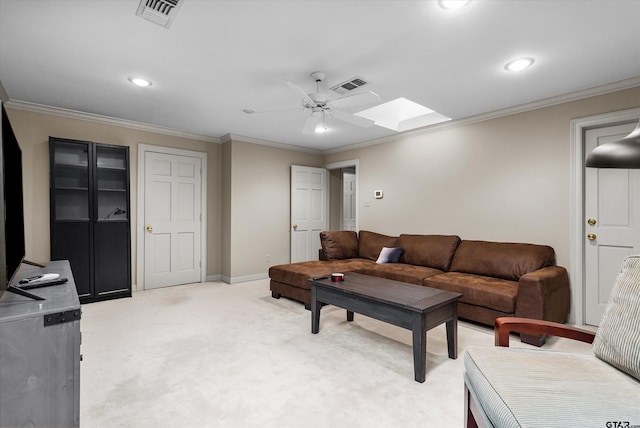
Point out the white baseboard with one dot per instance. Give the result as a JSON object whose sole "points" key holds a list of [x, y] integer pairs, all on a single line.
{"points": [[246, 278]]}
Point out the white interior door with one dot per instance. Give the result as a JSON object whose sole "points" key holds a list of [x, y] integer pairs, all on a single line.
{"points": [[309, 211], [173, 216], [348, 201], [612, 222]]}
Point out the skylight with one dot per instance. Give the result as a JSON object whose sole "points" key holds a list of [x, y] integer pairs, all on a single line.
{"points": [[402, 114]]}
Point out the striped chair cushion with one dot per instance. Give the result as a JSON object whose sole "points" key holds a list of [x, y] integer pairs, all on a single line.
{"points": [[519, 387], [618, 338]]}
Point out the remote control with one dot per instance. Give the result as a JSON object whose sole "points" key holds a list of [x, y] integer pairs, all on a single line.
{"points": [[40, 278]]}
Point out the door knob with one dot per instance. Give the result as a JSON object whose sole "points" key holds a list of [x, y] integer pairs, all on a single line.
{"points": [[591, 236], [149, 228], [591, 221], [295, 226]]}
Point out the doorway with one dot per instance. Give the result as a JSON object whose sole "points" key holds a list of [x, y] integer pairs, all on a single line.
{"points": [[344, 195], [171, 216], [590, 283]]}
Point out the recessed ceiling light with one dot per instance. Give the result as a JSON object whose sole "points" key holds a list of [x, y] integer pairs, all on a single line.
{"points": [[139, 82], [453, 4], [519, 64], [320, 129]]}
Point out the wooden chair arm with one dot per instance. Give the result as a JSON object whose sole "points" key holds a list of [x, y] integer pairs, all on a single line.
{"points": [[506, 325]]}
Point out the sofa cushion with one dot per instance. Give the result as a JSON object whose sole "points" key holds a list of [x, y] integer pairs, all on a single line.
{"points": [[434, 251], [370, 244], [501, 259], [537, 388], [298, 274], [494, 293], [339, 245], [617, 340], [389, 255], [400, 272]]}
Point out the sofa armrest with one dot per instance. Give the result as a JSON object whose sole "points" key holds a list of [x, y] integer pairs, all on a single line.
{"points": [[506, 325], [544, 294]]}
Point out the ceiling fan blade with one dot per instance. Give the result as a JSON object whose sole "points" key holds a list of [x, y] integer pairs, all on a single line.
{"points": [[354, 120], [310, 125], [301, 91], [355, 99]]}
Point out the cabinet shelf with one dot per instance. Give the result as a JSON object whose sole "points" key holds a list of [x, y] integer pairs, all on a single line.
{"points": [[75, 189], [71, 165], [112, 168]]}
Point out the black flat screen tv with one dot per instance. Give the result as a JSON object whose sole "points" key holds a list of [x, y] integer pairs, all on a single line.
{"points": [[12, 243]]}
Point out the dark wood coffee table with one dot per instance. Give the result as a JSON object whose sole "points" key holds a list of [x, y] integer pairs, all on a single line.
{"points": [[409, 306]]}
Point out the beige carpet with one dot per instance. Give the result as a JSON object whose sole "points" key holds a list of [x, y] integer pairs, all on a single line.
{"points": [[221, 355]]}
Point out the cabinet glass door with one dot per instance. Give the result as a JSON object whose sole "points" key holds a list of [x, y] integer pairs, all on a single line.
{"points": [[71, 181], [111, 168]]}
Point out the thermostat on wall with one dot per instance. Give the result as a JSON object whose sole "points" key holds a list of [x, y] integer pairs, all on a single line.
{"points": [[377, 194]]}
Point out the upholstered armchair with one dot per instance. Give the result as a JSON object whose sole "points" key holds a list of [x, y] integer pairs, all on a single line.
{"points": [[522, 387]]}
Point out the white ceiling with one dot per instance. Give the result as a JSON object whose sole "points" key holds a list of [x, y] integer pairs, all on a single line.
{"points": [[221, 56]]}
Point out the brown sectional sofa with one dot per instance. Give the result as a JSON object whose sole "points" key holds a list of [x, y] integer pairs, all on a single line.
{"points": [[495, 278]]}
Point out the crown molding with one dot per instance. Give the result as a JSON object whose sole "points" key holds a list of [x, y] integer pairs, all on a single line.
{"points": [[534, 105], [106, 120], [235, 137]]}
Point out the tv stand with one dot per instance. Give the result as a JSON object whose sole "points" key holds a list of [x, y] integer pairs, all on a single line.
{"points": [[25, 293], [40, 354]]}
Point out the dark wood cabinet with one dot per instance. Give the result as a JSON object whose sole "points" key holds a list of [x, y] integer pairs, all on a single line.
{"points": [[90, 209]]}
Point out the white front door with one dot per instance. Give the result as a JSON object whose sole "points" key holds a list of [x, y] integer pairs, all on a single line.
{"points": [[173, 215], [348, 201], [611, 223], [309, 211]]}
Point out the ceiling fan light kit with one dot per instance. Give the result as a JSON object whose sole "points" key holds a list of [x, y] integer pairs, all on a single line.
{"points": [[319, 104], [624, 153]]}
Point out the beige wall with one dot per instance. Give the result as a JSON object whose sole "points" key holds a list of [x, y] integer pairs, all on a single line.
{"points": [[505, 179], [33, 130], [259, 215]]}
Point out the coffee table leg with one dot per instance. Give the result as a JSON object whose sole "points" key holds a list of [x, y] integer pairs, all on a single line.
{"points": [[349, 315], [452, 334], [315, 311], [419, 347]]}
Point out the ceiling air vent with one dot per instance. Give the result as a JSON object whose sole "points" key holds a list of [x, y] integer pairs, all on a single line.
{"points": [[349, 85], [160, 12]]}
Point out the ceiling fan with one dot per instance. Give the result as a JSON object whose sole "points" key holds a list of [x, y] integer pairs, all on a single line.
{"points": [[321, 105]]}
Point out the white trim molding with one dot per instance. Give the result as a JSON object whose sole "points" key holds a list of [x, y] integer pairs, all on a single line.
{"points": [[576, 222], [245, 278]]}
